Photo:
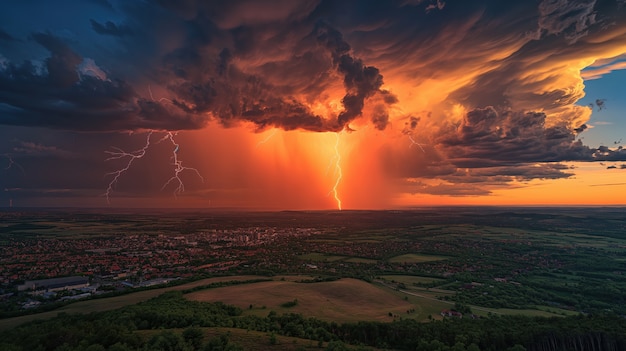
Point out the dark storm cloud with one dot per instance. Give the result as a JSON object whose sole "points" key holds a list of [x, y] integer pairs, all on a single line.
{"points": [[571, 19], [491, 146], [604, 153], [206, 56], [360, 81], [61, 65], [502, 174], [110, 28], [232, 94], [478, 181], [61, 97], [491, 137], [481, 181]]}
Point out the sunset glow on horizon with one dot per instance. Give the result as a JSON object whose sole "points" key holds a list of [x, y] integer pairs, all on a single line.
{"points": [[312, 104]]}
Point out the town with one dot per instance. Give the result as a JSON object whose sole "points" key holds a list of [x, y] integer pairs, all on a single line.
{"points": [[54, 269]]}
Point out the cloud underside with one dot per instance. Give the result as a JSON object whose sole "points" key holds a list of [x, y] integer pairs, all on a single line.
{"points": [[505, 109]]}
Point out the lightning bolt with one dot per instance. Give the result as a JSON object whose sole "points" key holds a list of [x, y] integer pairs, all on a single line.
{"points": [[132, 156], [413, 142], [161, 99], [178, 166], [266, 139], [121, 154], [338, 171], [12, 163]]}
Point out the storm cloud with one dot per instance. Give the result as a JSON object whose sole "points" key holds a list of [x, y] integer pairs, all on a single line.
{"points": [[472, 94], [224, 67]]}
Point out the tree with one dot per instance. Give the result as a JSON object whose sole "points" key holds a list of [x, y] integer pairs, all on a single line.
{"points": [[95, 347], [459, 346], [120, 347], [167, 341], [193, 336], [273, 340], [336, 346], [465, 309]]}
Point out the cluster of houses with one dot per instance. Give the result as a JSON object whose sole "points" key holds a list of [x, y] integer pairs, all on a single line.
{"points": [[456, 314], [124, 261], [451, 313], [121, 256]]}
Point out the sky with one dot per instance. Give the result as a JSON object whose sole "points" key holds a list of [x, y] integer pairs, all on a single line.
{"points": [[322, 104]]}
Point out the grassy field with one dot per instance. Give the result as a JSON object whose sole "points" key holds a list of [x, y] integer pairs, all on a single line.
{"points": [[343, 300], [416, 258]]}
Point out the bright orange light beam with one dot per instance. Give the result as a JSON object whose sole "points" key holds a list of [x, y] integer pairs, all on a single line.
{"points": [[339, 172]]}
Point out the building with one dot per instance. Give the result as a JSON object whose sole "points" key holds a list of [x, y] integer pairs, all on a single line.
{"points": [[55, 284]]}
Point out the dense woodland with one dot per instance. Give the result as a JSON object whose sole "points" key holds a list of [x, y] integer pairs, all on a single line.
{"points": [[179, 325]]}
